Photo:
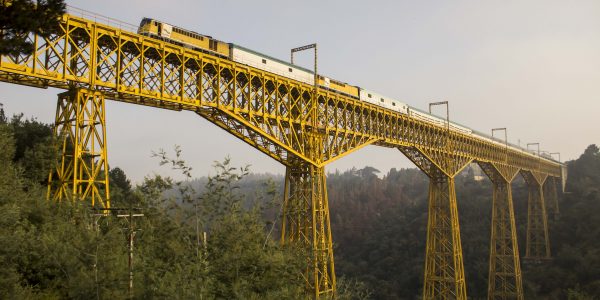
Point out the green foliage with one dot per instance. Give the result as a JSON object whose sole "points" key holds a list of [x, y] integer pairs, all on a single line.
{"points": [[575, 270], [34, 149], [379, 228], [583, 175], [212, 241], [119, 179], [3, 118], [352, 289], [120, 188], [49, 251], [19, 18], [63, 251], [232, 252], [577, 294]]}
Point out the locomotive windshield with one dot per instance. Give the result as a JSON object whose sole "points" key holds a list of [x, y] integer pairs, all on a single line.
{"points": [[145, 21]]}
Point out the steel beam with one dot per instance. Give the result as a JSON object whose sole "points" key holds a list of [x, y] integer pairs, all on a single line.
{"points": [[296, 123], [504, 279], [537, 246], [444, 270], [306, 225], [263, 109], [81, 173]]}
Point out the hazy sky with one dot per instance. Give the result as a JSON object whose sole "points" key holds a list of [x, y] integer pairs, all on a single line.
{"points": [[531, 66]]}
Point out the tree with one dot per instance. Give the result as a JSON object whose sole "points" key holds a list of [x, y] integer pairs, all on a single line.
{"points": [[120, 187], [2, 115], [19, 18], [118, 178], [352, 289], [49, 251], [583, 172], [34, 150], [238, 260]]}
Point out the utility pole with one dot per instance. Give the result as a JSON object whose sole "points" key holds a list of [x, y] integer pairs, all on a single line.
{"points": [[129, 215], [131, 235], [316, 78], [448, 146], [96, 228], [534, 144]]}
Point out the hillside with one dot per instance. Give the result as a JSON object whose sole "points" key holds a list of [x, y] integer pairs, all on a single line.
{"points": [[379, 227]]}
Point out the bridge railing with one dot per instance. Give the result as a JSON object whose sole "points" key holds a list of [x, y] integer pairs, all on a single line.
{"points": [[101, 19]]}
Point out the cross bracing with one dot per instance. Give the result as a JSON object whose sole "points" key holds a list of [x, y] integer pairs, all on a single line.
{"points": [[301, 127]]}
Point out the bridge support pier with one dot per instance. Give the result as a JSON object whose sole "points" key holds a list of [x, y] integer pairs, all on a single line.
{"points": [[306, 225], [444, 270], [81, 171], [504, 281], [551, 196], [538, 242]]}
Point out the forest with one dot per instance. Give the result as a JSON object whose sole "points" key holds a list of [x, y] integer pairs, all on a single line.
{"points": [[217, 237]]}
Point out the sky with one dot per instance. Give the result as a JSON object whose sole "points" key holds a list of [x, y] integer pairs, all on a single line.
{"points": [[530, 66]]}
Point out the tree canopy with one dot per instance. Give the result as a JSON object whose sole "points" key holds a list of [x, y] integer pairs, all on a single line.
{"points": [[19, 18], [214, 237], [58, 251]]}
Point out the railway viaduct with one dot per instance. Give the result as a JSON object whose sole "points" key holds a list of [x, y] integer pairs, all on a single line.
{"points": [[299, 125]]}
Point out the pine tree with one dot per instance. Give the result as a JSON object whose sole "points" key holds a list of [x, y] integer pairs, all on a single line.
{"points": [[19, 18]]}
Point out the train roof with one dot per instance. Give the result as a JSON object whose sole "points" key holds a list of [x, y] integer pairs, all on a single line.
{"points": [[422, 111], [145, 19], [270, 57]]}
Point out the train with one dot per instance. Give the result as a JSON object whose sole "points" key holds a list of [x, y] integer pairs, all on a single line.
{"points": [[204, 43]]}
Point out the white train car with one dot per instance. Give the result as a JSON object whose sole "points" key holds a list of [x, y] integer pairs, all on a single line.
{"points": [[383, 101], [460, 128], [427, 117], [423, 116], [273, 65], [270, 64], [487, 138], [499, 141], [514, 146]]}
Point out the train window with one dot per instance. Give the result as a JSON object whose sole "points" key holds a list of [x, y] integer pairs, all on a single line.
{"points": [[381, 99], [264, 61], [290, 69], [394, 103], [369, 95]]}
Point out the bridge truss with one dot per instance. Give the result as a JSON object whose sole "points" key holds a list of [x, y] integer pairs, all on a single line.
{"points": [[300, 127]]}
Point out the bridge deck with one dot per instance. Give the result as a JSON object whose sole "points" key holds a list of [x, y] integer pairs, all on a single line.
{"points": [[268, 111]]}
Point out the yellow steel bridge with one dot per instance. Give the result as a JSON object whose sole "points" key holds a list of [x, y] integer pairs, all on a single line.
{"points": [[294, 123]]}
